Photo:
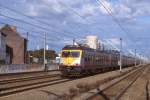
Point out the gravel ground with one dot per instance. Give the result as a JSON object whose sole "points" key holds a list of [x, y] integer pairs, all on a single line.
{"points": [[53, 91], [138, 90]]}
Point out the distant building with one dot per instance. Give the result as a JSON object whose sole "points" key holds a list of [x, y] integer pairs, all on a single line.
{"points": [[2, 47], [16, 45], [92, 41]]}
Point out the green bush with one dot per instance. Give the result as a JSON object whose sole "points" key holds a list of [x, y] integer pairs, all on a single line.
{"points": [[2, 62]]}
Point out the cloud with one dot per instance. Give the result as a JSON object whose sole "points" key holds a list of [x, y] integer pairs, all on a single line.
{"points": [[125, 10], [131, 52], [88, 10], [115, 41], [32, 11], [132, 8], [55, 5], [111, 43], [76, 18]]}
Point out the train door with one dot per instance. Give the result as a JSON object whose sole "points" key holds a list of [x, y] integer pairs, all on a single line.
{"points": [[83, 59]]}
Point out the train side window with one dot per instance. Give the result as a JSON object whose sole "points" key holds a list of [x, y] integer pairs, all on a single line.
{"points": [[88, 58], [102, 59], [85, 59], [91, 59]]}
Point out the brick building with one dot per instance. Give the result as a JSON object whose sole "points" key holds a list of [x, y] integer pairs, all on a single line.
{"points": [[16, 45], [2, 47]]}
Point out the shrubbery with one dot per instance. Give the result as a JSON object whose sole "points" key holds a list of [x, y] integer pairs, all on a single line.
{"points": [[2, 62]]}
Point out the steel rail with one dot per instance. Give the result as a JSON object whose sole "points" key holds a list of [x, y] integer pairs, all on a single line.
{"points": [[109, 86]]}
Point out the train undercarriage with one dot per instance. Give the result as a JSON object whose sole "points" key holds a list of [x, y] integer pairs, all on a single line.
{"points": [[71, 71]]}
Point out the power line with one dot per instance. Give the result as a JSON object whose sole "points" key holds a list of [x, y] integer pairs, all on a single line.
{"points": [[40, 38], [32, 18], [49, 40], [31, 31], [75, 12], [26, 23], [109, 11]]}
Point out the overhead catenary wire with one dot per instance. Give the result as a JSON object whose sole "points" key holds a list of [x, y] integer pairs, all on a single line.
{"points": [[46, 4], [32, 17], [31, 31], [40, 37], [23, 15], [37, 20], [109, 11], [25, 22], [76, 13], [80, 16], [18, 20]]}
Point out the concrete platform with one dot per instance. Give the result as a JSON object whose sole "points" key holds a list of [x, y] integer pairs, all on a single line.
{"points": [[19, 68]]}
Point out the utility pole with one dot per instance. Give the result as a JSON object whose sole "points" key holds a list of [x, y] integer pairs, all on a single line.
{"points": [[27, 55], [135, 58], [120, 54], [45, 52], [140, 59], [73, 41]]}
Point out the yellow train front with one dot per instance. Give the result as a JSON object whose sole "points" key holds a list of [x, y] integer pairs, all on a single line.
{"points": [[70, 63]]}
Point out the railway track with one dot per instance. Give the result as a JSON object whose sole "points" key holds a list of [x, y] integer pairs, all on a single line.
{"points": [[9, 76], [147, 91], [16, 85], [116, 88], [13, 80]]}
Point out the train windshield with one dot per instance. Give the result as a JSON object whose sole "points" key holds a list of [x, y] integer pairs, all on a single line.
{"points": [[70, 54]]}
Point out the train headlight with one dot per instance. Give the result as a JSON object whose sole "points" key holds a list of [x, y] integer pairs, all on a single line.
{"points": [[77, 64]]}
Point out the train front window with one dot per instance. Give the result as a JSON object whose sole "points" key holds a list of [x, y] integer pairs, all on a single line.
{"points": [[70, 54], [75, 54], [65, 54]]}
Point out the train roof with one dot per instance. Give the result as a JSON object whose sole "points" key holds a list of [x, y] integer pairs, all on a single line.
{"points": [[78, 47]]}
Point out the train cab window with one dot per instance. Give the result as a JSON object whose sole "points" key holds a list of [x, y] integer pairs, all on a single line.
{"points": [[75, 54], [70, 54], [65, 54]]}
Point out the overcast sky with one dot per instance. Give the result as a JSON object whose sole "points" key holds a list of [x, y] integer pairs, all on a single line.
{"points": [[64, 20]]}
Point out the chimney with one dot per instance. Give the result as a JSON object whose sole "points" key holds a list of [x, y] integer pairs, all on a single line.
{"points": [[13, 28]]}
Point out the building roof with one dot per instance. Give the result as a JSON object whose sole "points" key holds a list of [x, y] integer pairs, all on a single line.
{"points": [[10, 30], [3, 33]]}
